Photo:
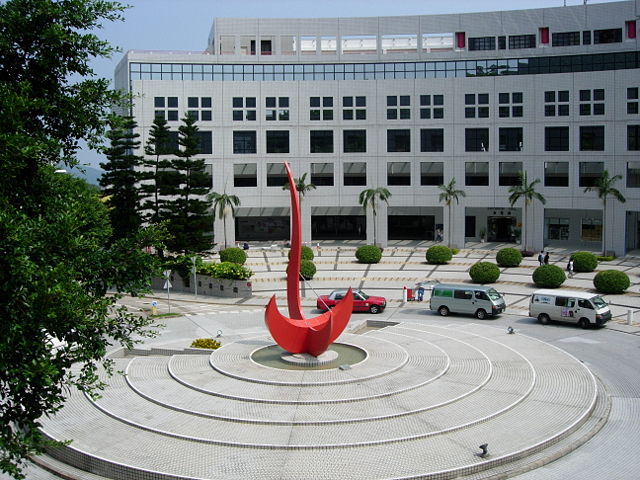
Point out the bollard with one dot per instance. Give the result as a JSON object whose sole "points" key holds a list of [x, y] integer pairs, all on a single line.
{"points": [[629, 317], [404, 294]]}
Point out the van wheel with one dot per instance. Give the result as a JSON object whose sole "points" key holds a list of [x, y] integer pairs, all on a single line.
{"points": [[443, 311], [543, 318], [583, 323], [481, 314], [374, 309]]}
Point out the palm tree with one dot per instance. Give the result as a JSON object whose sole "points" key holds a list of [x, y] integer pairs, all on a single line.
{"points": [[370, 198], [448, 195], [527, 191], [604, 187], [223, 204], [301, 186]]}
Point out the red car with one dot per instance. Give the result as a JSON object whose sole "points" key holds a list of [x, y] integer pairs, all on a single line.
{"points": [[361, 301]]}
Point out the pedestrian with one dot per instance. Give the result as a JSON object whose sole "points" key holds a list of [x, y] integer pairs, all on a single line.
{"points": [[420, 293], [541, 257], [546, 258], [570, 268]]}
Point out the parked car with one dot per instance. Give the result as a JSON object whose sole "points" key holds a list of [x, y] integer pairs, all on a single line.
{"points": [[361, 301], [583, 308], [479, 300]]}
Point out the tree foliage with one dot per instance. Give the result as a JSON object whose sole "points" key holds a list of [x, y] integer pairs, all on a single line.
{"points": [[604, 186], [370, 198], [155, 176], [527, 191], [58, 258], [223, 203], [448, 194]]}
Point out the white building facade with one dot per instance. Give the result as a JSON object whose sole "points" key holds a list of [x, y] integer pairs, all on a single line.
{"points": [[409, 103]]}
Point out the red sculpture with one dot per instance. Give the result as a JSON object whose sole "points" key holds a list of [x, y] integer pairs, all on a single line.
{"points": [[298, 334]]}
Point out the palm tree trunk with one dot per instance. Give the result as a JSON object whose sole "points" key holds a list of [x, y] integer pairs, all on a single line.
{"points": [[224, 229], [524, 226], [604, 224], [449, 228], [374, 227]]}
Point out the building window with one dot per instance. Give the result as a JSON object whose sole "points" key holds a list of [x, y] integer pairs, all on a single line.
{"points": [[431, 173], [476, 105], [592, 139], [565, 39], [556, 139], [592, 102], [633, 174], [509, 173], [432, 140], [277, 108], [510, 139], [556, 102], [354, 141], [591, 230], [611, 35], [244, 108], [510, 104], [398, 107], [321, 141], [633, 138], [632, 100], [206, 142], [590, 172], [200, 108], [245, 175], [276, 175], [522, 41], [354, 108], [399, 140], [321, 108], [431, 106], [476, 173], [556, 174], [322, 174], [557, 228], [169, 103], [277, 141], [476, 139], [244, 142], [399, 173], [355, 174], [482, 43]]}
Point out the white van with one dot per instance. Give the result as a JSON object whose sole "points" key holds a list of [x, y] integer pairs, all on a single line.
{"points": [[478, 300], [583, 308]]}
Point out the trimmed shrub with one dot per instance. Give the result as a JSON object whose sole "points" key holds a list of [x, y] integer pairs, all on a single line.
{"points": [[484, 272], [605, 258], [234, 255], [368, 254], [584, 261], [455, 251], [611, 281], [306, 253], [208, 343], [548, 276], [438, 254], [228, 270], [307, 269], [508, 257]]}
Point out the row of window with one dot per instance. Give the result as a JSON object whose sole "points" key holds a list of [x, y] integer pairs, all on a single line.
{"points": [[558, 39], [385, 71], [591, 102], [556, 174]]}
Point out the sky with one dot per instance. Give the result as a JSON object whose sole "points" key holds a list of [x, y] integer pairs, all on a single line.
{"points": [[185, 24]]}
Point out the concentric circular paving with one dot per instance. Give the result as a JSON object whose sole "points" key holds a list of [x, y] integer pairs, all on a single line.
{"points": [[418, 405]]}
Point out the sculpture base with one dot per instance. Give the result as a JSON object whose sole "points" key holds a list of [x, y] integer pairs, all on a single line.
{"points": [[308, 360]]}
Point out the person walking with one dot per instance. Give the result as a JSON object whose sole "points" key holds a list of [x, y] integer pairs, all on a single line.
{"points": [[420, 293], [546, 258], [570, 268], [541, 257]]}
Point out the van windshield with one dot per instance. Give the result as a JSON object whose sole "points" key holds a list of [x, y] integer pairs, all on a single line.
{"points": [[493, 294], [598, 302]]}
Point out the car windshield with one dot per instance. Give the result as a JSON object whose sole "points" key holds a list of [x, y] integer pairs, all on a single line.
{"points": [[360, 293], [598, 302], [493, 294]]}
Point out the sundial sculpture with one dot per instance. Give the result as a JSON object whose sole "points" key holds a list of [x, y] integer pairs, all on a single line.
{"points": [[297, 334]]}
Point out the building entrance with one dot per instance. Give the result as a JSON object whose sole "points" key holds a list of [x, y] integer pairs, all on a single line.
{"points": [[501, 229]]}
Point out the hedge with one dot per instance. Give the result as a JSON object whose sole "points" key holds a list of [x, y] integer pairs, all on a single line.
{"points": [[368, 254], [484, 272], [508, 257], [234, 255], [584, 261], [549, 276], [228, 270], [438, 254], [208, 343], [611, 281], [305, 254]]}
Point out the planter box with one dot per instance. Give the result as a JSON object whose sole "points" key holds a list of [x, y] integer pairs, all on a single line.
{"points": [[214, 287]]}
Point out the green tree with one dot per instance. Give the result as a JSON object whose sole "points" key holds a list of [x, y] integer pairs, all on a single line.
{"points": [[604, 186], [224, 204], [190, 222], [302, 187], [527, 191], [448, 195], [156, 175], [57, 257], [120, 181], [370, 198]]}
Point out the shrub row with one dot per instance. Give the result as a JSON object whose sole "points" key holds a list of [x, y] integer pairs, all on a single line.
{"points": [[228, 270]]}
